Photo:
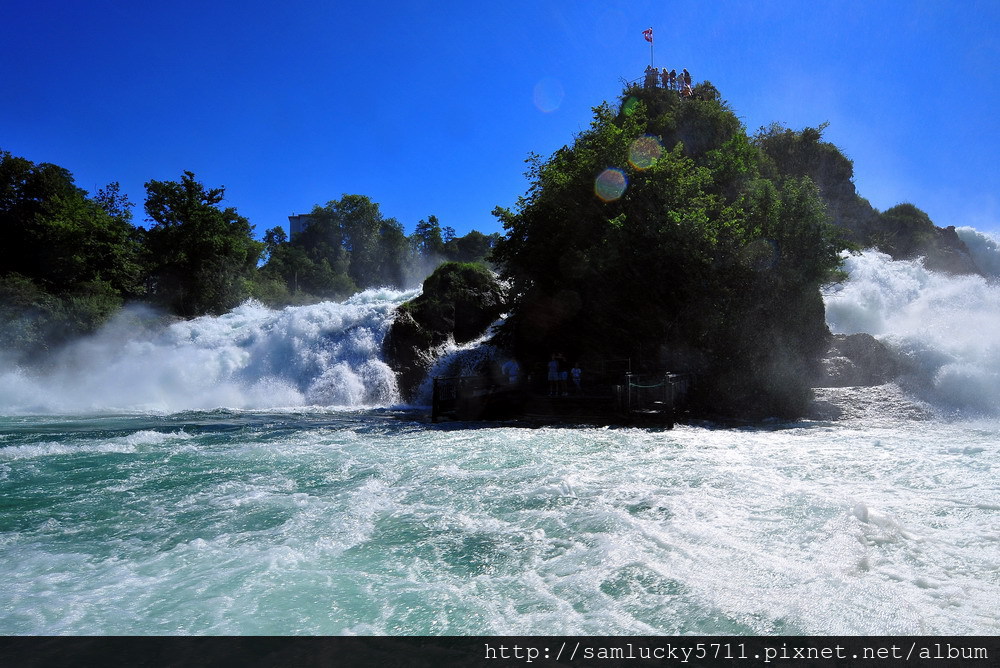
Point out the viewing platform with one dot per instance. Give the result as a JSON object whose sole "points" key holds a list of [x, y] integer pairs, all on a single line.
{"points": [[653, 399]]}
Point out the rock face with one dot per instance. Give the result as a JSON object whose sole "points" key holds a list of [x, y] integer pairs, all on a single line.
{"points": [[948, 253], [856, 359], [459, 301]]}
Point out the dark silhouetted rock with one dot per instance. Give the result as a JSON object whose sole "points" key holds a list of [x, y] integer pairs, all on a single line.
{"points": [[948, 253], [459, 301]]}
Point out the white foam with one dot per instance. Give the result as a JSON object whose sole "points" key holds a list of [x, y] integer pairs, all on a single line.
{"points": [[944, 328], [984, 248], [251, 358], [451, 359], [130, 444], [846, 530]]}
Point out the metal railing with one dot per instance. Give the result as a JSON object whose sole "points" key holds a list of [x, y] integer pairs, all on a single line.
{"points": [[653, 394]]}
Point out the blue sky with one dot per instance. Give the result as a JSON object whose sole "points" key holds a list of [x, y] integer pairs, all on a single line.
{"points": [[432, 107]]}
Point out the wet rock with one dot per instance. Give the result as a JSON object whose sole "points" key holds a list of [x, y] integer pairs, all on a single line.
{"points": [[856, 359], [459, 302], [948, 253]]}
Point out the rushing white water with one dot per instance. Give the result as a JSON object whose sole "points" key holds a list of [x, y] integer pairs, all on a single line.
{"points": [[945, 329], [233, 523], [280, 515], [984, 248], [327, 354]]}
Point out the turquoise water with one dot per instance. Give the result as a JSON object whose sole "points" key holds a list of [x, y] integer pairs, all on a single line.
{"points": [[375, 522]]}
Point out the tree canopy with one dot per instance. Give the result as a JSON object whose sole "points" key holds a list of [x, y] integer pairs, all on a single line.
{"points": [[201, 257], [67, 261], [657, 236], [348, 245]]}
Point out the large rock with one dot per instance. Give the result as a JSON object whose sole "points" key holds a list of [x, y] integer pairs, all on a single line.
{"points": [[856, 359], [948, 253], [459, 302]]}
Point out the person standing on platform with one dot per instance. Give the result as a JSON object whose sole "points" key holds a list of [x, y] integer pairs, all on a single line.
{"points": [[553, 375]]}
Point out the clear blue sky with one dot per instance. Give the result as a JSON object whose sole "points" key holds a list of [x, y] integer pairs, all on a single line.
{"points": [[432, 107]]}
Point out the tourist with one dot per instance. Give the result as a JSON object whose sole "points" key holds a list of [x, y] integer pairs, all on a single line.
{"points": [[511, 369], [553, 375], [563, 375], [650, 77]]}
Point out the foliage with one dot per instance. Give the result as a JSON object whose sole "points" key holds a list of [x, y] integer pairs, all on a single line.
{"points": [[434, 244], [427, 239], [30, 317], [791, 154], [68, 261], [354, 235], [60, 238], [474, 247], [903, 231], [699, 263], [201, 257], [348, 245]]}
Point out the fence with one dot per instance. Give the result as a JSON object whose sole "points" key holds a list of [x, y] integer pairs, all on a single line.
{"points": [[653, 395]]}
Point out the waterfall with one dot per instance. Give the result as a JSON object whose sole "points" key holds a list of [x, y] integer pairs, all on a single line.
{"points": [[945, 329], [254, 357]]}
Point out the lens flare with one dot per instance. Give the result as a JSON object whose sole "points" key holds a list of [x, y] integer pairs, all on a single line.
{"points": [[644, 151], [549, 94], [610, 184], [629, 105]]}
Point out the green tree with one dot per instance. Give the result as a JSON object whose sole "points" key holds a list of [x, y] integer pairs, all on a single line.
{"points": [[655, 236], [26, 190], [473, 247], [791, 154], [904, 231], [68, 261], [201, 257], [427, 239], [376, 248]]}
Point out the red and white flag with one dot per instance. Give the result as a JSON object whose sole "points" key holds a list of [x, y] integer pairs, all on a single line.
{"points": [[648, 34]]}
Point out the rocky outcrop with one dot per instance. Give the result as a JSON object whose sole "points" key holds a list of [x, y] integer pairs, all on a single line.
{"points": [[856, 359], [948, 253], [459, 302]]}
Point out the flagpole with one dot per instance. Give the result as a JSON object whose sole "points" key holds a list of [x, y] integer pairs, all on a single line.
{"points": [[648, 34]]}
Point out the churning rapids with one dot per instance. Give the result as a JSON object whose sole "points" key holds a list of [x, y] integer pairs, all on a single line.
{"points": [[255, 474]]}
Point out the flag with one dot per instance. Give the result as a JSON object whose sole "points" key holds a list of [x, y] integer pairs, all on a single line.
{"points": [[648, 34]]}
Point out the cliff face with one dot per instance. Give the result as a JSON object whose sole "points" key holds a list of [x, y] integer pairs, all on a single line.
{"points": [[904, 232], [459, 302], [949, 253]]}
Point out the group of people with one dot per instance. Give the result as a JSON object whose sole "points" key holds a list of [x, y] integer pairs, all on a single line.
{"points": [[670, 80], [559, 374]]}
